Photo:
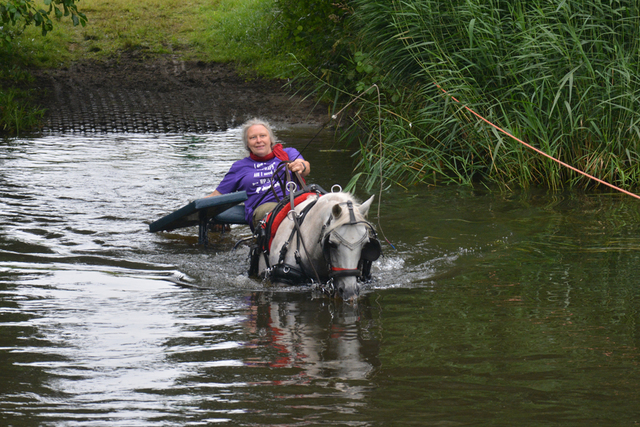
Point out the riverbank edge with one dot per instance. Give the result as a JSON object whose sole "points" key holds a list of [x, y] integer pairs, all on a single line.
{"points": [[160, 93]]}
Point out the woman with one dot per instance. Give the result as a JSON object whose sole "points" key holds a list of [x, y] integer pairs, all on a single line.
{"points": [[253, 173]]}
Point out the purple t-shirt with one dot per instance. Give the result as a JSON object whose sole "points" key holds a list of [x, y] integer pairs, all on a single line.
{"points": [[254, 178]]}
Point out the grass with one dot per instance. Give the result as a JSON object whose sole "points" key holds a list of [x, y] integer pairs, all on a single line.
{"points": [[207, 30], [235, 31], [16, 113]]}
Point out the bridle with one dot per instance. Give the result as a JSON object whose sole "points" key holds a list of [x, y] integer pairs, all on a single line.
{"points": [[370, 252]]}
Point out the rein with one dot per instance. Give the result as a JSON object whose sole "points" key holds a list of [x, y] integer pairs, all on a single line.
{"points": [[276, 177], [297, 223], [265, 234]]}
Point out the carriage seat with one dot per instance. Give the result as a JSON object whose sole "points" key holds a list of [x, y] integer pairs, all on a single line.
{"points": [[233, 215]]}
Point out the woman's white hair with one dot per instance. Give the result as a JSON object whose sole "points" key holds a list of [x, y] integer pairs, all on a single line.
{"points": [[253, 122]]}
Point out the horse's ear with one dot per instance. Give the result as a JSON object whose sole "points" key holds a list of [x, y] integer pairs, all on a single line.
{"points": [[364, 208], [336, 211]]}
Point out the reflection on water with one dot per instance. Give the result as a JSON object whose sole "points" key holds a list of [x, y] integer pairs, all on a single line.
{"points": [[319, 337], [84, 345], [495, 308], [137, 349]]}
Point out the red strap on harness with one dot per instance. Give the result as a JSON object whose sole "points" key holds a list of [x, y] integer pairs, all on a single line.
{"points": [[283, 213], [343, 272]]}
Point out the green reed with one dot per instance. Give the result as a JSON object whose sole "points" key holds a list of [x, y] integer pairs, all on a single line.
{"points": [[562, 76], [17, 113]]}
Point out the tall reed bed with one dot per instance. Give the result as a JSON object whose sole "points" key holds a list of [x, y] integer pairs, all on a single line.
{"points": [[562, 76]]}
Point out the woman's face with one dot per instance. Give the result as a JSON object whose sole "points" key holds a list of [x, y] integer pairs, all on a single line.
{"points": [[258, 140]]}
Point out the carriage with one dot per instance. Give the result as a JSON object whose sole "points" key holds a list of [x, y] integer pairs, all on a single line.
{"points": [[312, 237]]}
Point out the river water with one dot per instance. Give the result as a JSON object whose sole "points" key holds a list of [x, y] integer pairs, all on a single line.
{"points": [[494, 308]]}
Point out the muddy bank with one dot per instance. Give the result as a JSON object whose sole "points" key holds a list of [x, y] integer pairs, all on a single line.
{"points": [[133, 94]]}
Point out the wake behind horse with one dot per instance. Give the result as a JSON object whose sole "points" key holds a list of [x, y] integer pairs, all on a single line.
{"points": [[324, 240]]}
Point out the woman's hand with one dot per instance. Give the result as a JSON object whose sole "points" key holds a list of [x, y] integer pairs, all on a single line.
{"points": [[301, 166]]}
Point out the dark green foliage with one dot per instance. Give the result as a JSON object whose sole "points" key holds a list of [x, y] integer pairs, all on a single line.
{"points": [[563, 76], [15, 15], [321, 37], [316, 31], [17, 112]]}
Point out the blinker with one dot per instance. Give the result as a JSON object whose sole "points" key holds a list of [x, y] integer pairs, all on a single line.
{"points": [[371, 251], [326, 248]]}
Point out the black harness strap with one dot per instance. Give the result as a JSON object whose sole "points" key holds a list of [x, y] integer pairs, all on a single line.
{"points": [[352, 215], [285, 248], [288, 274], [313, 188]]}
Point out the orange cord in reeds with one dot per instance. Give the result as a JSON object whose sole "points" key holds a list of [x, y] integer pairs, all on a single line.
{"points": [[539, 151]]}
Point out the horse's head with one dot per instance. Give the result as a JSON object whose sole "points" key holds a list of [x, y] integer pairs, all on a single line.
{"points": [[349, 246]]}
